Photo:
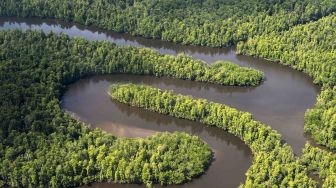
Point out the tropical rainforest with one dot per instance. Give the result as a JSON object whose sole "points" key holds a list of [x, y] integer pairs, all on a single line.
{"points": [[274, 163], [199, 22], [43, 146]]}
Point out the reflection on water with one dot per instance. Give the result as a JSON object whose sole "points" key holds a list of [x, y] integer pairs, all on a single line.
{"points": [[89, 99], [279, 102]]}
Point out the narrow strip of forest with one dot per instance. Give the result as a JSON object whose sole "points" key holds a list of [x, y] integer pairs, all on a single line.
{"points": [[274, 163], [43, 146], [297, 33], [214, 23]]}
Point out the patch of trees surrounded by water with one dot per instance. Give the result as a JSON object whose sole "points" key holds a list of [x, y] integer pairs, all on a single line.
{"points": [[274, 163], [297, 33]]}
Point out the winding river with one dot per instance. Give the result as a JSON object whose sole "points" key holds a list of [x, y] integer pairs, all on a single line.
{"points": [[280, 101]]}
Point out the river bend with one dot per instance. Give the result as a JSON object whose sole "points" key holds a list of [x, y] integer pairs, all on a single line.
{"points": [[280, 101]]}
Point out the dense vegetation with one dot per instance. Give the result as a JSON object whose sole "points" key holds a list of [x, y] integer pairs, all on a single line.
{"points": [[296, 33], [320, 121], [309, 48], [312, 49], [199, 22], [300, 34], [274, 162], [322, 163], [226, 73], [96, 156], [43, 146]]}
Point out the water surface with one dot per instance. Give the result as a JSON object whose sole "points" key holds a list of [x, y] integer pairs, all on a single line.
{"points": [[279, 102]]}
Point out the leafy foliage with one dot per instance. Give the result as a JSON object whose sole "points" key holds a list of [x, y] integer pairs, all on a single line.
{"points": [[300, 34], [320, 121], [43, 146], [227, 73], [274, 163], [321, 162], [312, 49], [309, 48], [199, 22]]}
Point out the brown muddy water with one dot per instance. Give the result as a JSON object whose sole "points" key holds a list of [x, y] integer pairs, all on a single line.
{"points": [[280, 101]]}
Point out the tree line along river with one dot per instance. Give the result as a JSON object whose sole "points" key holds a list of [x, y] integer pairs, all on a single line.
{"points": [[280, 101]]}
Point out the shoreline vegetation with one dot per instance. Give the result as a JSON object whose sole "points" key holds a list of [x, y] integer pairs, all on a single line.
{"points": [[214, 23], [296, 33], [260, 29], [309, 48], [43, 146], [268, 168]]}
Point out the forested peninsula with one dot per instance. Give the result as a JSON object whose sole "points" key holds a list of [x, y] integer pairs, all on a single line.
{"points": [[269, 167], [36, 67], [43, 146], [296, 33]]}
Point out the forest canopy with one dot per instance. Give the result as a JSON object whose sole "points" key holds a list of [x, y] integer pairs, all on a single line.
{"points": [[300, 34], [43, 146], [274, 162], [310, 48], [213, 23], [297, 33], [320, 162]]}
